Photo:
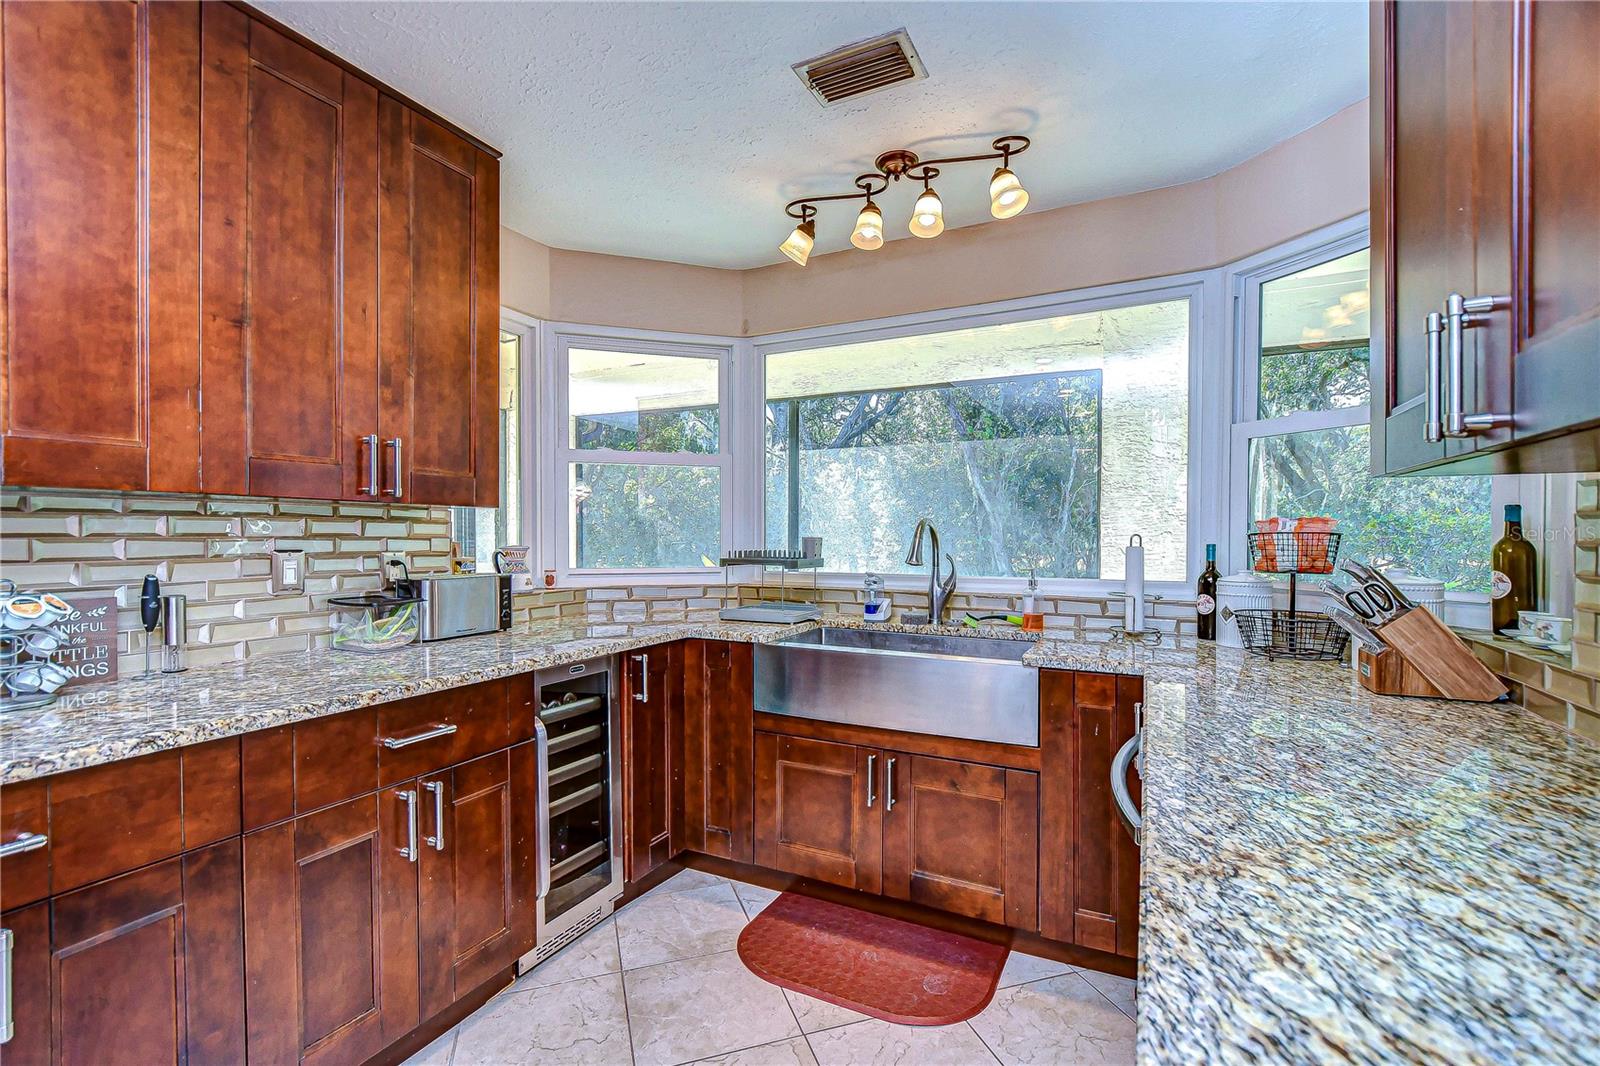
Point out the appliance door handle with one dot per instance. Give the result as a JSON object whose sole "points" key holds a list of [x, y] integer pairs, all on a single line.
{"points": [[1132, 820], [24, 843], [396, 444], [417, 738], [408, 796], [436, 842], [1464, 313], [7, 1023], [643, 695], [371, 443], [872, 770], [541, 737], [888, 785], [1433, 422]]}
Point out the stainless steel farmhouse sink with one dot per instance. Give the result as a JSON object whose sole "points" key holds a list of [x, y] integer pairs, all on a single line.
{"points": [[975, 688]]}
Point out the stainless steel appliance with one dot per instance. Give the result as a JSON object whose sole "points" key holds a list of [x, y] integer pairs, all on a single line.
{"points": [[578, 731], [463, 605]]}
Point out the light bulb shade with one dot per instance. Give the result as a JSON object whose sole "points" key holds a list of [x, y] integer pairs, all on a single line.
{"points": [[869, 228], [1007, 197], [927, 217], [798, 246]]}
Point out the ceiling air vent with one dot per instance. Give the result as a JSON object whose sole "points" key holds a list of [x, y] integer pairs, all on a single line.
{"points": [[861, 68]]}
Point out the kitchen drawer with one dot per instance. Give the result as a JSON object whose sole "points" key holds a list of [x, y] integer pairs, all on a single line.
{"points": [[479, 717], [110, 819]]}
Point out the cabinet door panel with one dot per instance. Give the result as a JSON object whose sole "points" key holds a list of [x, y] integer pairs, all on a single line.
{"points": [[101, 225], [813, 817], [331, 946], [440, 332], [717, 730], [1558, 130], [476, 916], [648, 696], [290, 265], [962, 837]]}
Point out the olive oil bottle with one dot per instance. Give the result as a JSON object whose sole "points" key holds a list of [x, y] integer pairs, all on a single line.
{"points": [[1516, 567]]}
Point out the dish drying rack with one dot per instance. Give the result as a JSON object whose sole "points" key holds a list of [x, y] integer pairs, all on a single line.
{"points": [[1291, 634], [781, 610]]}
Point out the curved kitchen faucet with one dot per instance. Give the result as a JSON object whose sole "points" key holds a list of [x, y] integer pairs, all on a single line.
{"points": [[939, 592]]}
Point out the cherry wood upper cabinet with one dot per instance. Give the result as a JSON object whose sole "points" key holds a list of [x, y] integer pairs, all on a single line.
{"points": [[1485, 143], [439, 251], [290, 276], [100, 376]]}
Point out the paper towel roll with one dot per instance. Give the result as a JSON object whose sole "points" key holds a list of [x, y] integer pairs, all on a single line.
{"points": [[1133, 586]]}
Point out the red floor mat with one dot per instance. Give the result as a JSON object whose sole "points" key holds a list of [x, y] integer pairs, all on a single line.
{"points": [[888, 968]]}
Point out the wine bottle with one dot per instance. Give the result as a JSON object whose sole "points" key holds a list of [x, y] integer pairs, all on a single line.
{"points": [[1205, 601], [1511, 589]]}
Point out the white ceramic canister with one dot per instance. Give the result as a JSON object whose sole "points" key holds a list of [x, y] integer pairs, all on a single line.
{"points": [[1242, 591], [1422, 591]]}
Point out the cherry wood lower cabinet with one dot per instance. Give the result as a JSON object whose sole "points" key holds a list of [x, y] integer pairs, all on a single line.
{"points": [[715, 732], [478, 854], [652, 696], [140, 969], [1090, 874], [955, 835]]}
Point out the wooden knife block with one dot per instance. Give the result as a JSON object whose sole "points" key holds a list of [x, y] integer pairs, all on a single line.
{"points": [[1425, 658]]}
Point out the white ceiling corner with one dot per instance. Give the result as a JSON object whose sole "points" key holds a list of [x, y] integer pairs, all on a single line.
{"points": [[678, 131]]}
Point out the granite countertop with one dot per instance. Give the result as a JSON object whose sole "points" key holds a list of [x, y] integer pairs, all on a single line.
{"points": [[1327, 876]]}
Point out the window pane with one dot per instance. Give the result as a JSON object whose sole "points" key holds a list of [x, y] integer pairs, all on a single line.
{"points": [[1314, 337], [1033, 446], [642, 403], [630, 516], [1439, 527], [481, 530]]}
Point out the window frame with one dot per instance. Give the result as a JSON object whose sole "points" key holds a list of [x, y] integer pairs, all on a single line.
{"points": [[554, 439], [1245, 279], [1209, 396]]}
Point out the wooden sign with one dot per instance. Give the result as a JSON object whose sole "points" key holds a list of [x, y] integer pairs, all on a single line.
{"points": [[90, 653]]}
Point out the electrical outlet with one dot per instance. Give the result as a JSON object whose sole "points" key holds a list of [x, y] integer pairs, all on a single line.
{"points": [[288, 570], [391, 565]]}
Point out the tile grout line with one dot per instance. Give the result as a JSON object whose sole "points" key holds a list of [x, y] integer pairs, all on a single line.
{"points": [[622, 982], [973, 1029]]}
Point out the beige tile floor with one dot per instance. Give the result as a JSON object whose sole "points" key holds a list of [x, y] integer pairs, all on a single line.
{"points": [[660, 983]]}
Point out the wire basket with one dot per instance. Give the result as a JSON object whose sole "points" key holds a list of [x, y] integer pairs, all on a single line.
{"points": [[1281, 634], [1294, 552]]}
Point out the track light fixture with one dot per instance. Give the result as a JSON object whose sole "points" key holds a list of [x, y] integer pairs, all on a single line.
{"points": [[1007, 197]]}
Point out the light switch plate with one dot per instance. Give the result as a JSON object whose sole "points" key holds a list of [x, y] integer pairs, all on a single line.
{"points": [[288, 570]]}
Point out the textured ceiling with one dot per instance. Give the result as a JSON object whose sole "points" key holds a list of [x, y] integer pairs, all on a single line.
{"points": [[677, 131]]}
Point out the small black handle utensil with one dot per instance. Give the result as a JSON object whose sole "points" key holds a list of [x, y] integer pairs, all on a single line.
{"points": [[149, 612]]}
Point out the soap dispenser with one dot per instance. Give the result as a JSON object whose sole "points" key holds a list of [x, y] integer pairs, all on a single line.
{"points": [[1032, 617], [875, 608]]}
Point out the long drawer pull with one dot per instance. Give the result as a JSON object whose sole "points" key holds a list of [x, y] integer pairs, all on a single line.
{"points": [[7, 1025], [417, 738], [24, 843]]}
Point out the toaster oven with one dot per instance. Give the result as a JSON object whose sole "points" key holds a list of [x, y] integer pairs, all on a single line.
{"points": [[463, 605]]}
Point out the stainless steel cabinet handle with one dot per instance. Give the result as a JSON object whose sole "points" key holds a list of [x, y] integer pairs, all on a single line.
{"points": [[7, 1025], [1433, 422], [888, 784], [396, 444], [371, 442], [24, 843], [409, 797], [1463, 313], [872, 769], [1131, 818], [643, 695], [436, 842], [541, 738], [417, 738], [1138, 733]]}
